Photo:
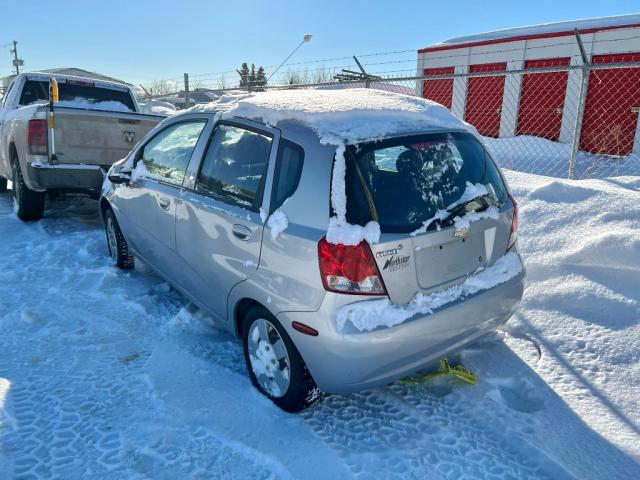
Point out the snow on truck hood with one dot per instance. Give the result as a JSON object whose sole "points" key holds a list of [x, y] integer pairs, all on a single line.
{"points": [[340, 117]]}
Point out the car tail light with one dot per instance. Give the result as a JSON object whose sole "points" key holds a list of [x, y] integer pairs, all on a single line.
{"points": [[349, 269], [37, 137], [513, 237]]}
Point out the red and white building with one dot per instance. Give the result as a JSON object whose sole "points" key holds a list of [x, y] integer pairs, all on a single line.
{"points": [[543, 104]]}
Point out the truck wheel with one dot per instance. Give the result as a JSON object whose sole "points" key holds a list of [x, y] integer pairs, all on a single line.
{"points": [[275, 366], [3, 185], [30, 203], [118, 248]]}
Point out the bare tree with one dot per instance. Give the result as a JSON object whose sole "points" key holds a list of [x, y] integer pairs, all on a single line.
{"points": [[306, 76], [160, 87], [222, 82]]}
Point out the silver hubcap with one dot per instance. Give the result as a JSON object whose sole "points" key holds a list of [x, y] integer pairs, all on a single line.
{"points": [[269, 358], [111, 238]]}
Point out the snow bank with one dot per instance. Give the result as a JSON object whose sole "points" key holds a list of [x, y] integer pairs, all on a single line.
{"points": [[537, 155], [581, 244], [369, 315]]}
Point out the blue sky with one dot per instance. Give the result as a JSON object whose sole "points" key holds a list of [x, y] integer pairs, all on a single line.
{"points": [[139, 41]]}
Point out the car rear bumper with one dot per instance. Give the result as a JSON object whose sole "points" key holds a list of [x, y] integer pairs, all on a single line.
{"points": [[65, 176], [344, 363]]}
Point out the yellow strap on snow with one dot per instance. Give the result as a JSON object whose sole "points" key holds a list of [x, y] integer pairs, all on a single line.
{"points": [[459, 371]]}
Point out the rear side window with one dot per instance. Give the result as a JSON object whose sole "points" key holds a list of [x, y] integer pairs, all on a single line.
{"points": [[78, 92], [235, 166], [403, 182], [167, 154], [287, 173]]}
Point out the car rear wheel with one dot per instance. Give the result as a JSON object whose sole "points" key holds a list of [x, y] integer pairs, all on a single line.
{"points": [[30, 203], [274, 363], [118, 247]]}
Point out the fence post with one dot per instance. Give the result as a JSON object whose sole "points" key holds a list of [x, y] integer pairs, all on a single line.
{"points": [[187, 100], [582, 97]]}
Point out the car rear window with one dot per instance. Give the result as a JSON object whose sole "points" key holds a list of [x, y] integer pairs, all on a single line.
{"points": [[36, 90], [403, 182]]}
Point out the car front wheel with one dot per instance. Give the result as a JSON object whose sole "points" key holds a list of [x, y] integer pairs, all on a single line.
{"points": [[274, 363]]}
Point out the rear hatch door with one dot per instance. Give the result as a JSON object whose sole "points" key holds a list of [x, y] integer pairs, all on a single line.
{"points": [[442, 206]]}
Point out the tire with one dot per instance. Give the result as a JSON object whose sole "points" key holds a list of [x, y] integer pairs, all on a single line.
{"points": [[301, 391], [118, 249], [3, 185], [30, 203]]}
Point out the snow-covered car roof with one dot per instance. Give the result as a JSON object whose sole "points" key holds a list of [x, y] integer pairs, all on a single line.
{"points": [[339, 116]]}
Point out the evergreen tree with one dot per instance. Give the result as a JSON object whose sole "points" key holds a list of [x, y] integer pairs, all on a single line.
{"points": [[252, 76], [261, 78], [244, 75]]}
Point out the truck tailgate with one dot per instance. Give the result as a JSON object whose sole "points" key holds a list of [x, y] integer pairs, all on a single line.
{"points": [[98, 137]]}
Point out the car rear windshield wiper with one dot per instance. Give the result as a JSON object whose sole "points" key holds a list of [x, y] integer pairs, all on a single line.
{"points": [[484, 201]]}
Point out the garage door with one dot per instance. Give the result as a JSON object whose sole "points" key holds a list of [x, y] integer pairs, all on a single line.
{"points": [[611, 111], [439, 90], [484, 98], [542, 99]]}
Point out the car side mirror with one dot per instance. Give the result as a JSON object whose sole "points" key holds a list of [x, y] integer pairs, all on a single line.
{"points": [[119, 178]]}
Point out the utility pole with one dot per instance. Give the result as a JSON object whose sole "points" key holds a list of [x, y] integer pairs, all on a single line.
{"points": [[17, 62], [187, 100]]}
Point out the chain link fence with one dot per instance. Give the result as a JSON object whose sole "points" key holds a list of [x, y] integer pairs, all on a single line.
{"points": [[554, 117], [576, 121]]}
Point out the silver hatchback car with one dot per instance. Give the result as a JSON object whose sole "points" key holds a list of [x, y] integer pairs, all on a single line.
{"points": [[343, 256]]}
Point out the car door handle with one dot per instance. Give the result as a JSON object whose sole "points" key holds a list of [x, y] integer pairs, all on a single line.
{"points": [[164, 203], [242, 232]]}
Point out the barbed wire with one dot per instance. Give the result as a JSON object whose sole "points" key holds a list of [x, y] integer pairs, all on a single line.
{"points": [[566, 40]]}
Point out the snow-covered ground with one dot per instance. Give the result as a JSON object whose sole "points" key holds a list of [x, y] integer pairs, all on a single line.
{"points": [[526, 153], [107, 374]]}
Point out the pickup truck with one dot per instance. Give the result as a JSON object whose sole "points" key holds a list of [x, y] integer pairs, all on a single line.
{"points": [[95, 123]]}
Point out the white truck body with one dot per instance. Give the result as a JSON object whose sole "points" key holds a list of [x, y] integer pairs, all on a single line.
{"points": [[96, 124]]}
